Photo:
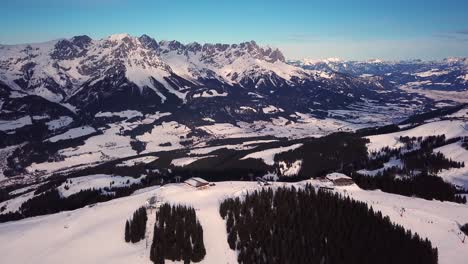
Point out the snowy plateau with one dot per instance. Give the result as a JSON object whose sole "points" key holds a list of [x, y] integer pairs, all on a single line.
{"points": [[101, 126]]}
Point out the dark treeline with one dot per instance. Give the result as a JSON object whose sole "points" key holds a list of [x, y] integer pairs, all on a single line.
{"points": [[370, 131], [51, 201], [441, 112], [428, 162], [305, 226], [417, 175], [417, 154], [178, 236], [342, 152], [464, 143], [464, 228], [47, 199], [421, 185], [135, 228]]}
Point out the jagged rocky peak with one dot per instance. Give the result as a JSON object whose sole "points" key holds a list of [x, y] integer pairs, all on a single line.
{"points": [[67, 49], [81, 41], [148, 42], [81, 66]]}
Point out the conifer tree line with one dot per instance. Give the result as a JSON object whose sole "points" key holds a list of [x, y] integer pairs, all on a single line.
{"points": [[420, 165], [422, 185], [417, 155], [291, 225], [464, 228], [135, 228], [178, 236]]}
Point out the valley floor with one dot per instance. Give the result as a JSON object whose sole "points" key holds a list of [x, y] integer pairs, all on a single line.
{"points": [[95, 234]]}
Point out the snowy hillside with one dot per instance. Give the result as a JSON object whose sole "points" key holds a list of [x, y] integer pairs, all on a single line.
{"points": [[61, 234], [452, 126]]}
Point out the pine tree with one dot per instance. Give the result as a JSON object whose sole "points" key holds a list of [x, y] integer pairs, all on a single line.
{"points": [[127, 232]]}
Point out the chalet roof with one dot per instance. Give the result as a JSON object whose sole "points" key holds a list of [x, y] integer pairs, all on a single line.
{"points": [[196, 181], [335, 176]]}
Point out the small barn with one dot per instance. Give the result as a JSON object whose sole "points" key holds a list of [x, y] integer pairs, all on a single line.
{"points": [[339, 179], [197, 182]]}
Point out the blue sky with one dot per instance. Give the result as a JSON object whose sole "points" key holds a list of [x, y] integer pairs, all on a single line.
{"points": [[359, 29]]}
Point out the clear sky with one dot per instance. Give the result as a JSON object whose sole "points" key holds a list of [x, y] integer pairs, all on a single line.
{"points": [[353, 29]]}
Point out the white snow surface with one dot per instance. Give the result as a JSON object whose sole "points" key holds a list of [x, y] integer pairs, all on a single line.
{"points": [[73, 133], [290, 170], [60, 122], [135, 161], [98, 181], [97, 232], [9, 125], [432, 72], [126, 114], [210, 93], [181, 162], [268, 155], [336, 175]]}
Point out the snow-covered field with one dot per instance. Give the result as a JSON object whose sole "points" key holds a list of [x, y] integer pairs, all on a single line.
{"points": [[95, 234], [73, 133], [98, 181], [268, 156], [450, 128]]}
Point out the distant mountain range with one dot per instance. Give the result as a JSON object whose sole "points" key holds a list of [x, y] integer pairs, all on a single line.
{"points": [[446, 75]]}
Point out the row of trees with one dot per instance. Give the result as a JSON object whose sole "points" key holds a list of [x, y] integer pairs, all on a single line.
{"points": [[336, 152], [305, 226], [178, 236], [422, 185], [51, 201], [135, 228], [429, 162]]}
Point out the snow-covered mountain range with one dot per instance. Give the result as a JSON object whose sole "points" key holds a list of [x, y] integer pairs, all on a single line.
{"points": [[450, 74], [87, 74], [66, 69]]}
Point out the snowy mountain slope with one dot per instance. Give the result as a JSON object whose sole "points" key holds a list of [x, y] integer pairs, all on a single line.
{"points": [[61, 69], [82, 228], [142, 72], [446, 75]]}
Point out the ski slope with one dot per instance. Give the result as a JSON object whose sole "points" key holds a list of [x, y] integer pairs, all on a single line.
{"points": [[96, 234]]}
